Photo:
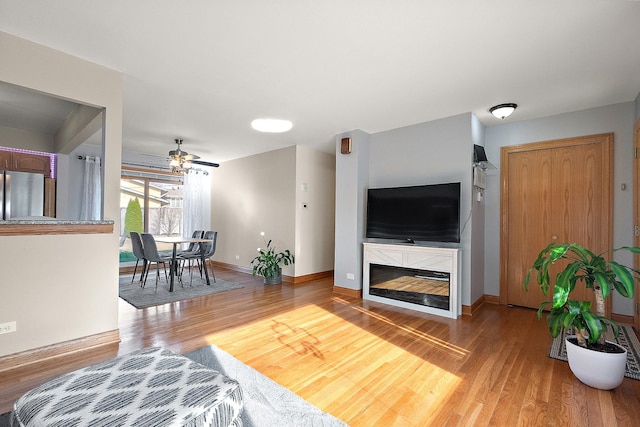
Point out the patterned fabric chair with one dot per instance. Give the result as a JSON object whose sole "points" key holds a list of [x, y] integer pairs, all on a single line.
{"points": [[152, 387]]}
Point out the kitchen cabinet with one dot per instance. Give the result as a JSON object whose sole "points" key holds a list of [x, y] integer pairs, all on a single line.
{"points": [[25, 162], [5, 160], [34, 163]]}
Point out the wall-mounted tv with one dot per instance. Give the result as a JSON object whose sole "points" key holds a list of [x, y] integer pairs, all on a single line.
{"points": [[429, 213]]}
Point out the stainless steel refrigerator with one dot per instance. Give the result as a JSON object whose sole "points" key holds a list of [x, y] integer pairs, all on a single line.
{"points": [[21, 194]]}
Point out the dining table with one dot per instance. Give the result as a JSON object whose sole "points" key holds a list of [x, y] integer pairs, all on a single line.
{"points": [[175, 241]]}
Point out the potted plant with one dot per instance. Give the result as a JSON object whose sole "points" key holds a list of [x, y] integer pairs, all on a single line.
{"points": [[593, 360], [267, 263]]}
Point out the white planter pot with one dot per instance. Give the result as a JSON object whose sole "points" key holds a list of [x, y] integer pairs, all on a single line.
{"points": [[599, 370]]}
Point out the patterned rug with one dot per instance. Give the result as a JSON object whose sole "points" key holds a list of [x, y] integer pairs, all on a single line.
{"points": [[150, 296], [627, 339], [266, 403]]}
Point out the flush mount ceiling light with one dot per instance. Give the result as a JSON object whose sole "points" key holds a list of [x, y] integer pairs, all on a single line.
{"points": [[503, 110], [271, 125]]}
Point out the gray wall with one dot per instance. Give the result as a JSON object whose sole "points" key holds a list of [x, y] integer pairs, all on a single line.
{"points": [[477, 224], [619, 119], [430, 153], [352, 177], [427, 153]]}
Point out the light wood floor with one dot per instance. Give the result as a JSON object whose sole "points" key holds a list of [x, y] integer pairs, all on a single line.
{"points": [[370, 364]]}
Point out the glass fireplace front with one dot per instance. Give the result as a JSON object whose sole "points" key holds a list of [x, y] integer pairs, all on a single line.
{"points": [[424, 287]]}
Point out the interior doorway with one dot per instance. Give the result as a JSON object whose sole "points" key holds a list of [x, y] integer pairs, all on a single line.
{"points": [[553, 191]]}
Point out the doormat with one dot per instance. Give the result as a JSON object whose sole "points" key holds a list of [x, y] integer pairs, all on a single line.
{"points": [[626, 339]]}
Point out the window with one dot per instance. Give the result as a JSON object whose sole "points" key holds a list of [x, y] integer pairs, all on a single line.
{"points": [[150, 202]]}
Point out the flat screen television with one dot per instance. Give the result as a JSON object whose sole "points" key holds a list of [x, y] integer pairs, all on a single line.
{"points": [[429, 213]]}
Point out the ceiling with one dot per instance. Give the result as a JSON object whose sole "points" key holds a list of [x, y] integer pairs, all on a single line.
{"points": [[202, 70]]}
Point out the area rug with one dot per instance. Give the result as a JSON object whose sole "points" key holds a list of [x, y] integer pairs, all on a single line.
{"points": [[266, 403], [150, 296], [627, 339]]}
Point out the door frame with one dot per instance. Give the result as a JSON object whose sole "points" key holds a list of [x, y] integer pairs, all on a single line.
{"points": [[605, 138], [636, 217]]}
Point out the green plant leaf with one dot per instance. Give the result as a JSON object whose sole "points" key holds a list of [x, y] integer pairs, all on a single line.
{"points": [[593, 324], [564, 284], [556, 323], [603, 281], [625, 285], [614, 325], [541, 309]]}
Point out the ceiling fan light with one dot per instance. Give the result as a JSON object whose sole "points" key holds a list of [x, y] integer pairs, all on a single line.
{"points": [[502, 111], [174, 163], [271, 125], [187, 165]]}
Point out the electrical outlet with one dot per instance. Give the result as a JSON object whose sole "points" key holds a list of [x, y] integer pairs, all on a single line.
{"points": [[351, 276], [5, 328], [237, 256]]}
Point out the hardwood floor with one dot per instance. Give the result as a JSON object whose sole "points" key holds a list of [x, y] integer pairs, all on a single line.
{"points": [[368, 363]]}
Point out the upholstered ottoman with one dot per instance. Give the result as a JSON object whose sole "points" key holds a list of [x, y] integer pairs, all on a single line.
{"points": [[151, 387]]}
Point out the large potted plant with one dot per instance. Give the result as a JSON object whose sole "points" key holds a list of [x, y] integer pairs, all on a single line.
{"points": [[268, 263], [595, 361]]}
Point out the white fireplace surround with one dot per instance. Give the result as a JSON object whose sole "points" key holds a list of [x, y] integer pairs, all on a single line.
{"points": [[432, 258]]}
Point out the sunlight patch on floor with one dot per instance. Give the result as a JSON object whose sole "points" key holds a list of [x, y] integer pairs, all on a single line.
{"points": [[312, 358], [458, 351]]}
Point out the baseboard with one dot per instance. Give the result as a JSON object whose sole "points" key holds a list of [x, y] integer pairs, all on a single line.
{"points": [[492, 299], [65, 348], [232, 267], [353, 293], [476, 306], [289, 279], [623, 319], [313, 276]]}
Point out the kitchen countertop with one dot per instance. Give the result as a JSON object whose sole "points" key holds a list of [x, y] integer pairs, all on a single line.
{"points": [[51, 221], [43, 226]]}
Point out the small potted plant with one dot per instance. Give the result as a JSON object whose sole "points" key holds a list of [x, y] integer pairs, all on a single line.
{"points": [[267, 263], [596, 362]]}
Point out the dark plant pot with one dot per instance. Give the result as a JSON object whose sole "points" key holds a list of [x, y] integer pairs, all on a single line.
{"points": [[276, 279]]}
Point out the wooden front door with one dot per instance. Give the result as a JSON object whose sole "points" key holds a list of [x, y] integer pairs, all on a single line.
{"points": [[553, 191]]}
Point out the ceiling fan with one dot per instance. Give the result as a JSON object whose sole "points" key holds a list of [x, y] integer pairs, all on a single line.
{"points": [[181, 161]]}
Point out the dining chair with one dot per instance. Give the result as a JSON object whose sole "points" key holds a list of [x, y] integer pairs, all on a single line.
{"points": [[190, 254], [209, 248], [151, 255], [193, 246], [138, 252]]}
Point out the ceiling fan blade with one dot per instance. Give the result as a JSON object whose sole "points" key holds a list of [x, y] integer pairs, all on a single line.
{"points": [[203, 163], [181, 153], [190, 157]]}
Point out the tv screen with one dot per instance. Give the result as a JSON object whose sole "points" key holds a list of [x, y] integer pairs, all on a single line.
{"points": [[428, 213]]}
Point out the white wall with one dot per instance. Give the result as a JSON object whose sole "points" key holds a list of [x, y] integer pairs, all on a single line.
{"points": [[62, 287], [27, 140], [616, 118], [430, 153], [250, 195], [315, 223], [264, 192]]}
